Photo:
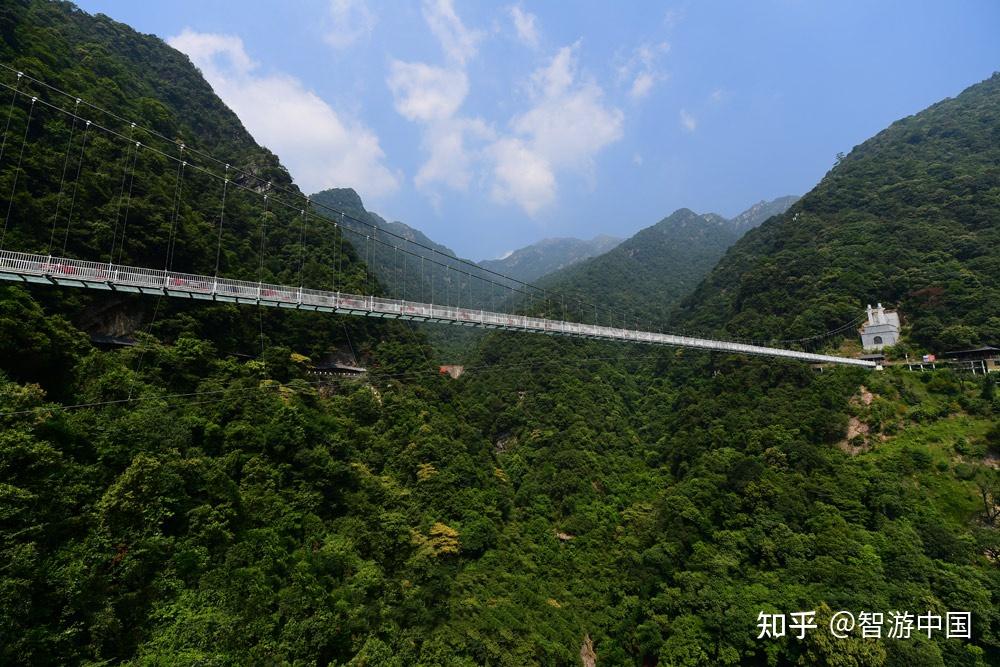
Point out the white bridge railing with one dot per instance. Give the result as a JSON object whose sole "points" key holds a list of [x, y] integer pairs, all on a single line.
{"points": [[96, 275]]}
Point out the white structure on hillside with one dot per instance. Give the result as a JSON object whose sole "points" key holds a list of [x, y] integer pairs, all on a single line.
{"points": [[881, 329]]}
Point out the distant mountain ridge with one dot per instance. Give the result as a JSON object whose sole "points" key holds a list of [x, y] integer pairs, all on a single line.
{"points": [[527, 264], [649, 273], [538, 259]]}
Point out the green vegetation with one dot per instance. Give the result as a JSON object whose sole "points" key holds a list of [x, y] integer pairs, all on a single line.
{"points": [[655, 501], [646, 276], [908, 218], [349, 202], [395, 257], [400, 259], [139, 77], [175, 504]]}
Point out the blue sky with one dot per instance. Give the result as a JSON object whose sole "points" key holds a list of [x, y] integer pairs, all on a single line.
{"points": [[491, 125]]}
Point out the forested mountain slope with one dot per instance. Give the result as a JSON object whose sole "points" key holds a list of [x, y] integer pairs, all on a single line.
{"points": [[648, 273], [542, 258], [173, 504], [348, 201], [645, 276], [407, 263], [910, 218], [141, 79]]}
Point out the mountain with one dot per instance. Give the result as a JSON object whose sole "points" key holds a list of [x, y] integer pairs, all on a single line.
{"points": [[410, 277], [170, 503], [755, 215], [648, 274], [909, 218], [406, 263], [548, 255], [348, 201], [142, 79]]}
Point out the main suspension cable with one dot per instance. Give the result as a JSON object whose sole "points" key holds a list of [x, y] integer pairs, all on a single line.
{"points": [[477, 272]]}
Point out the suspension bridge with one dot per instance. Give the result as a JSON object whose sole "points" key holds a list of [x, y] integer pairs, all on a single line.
{"points": [[458, 278]]}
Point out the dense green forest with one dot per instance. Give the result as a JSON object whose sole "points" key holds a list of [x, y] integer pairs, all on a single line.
{"points": [[652, 501], [647, 275], [172, 503], [908, 218], [408, 265], [170, 217], [348, 201]]}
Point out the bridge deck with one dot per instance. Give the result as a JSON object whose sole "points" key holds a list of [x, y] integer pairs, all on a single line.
{"points": [[25, 267]]}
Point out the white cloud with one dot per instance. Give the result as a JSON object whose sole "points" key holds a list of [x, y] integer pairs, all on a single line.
{"points": [[521, 176], [450, 161], [432, 95], [524, 23], [459, 43], [642, 85], [553, 80], [688, 122], [506, 254], [424, 92], [320, 148], [642, 69], [567, 126], [202, 48], [637, 159], [718, 96], [351, 21]]}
